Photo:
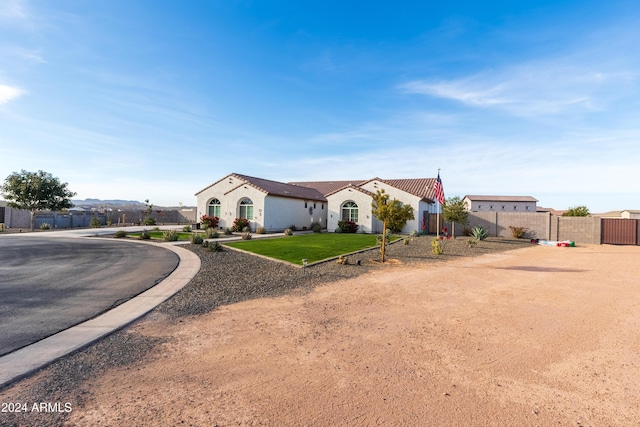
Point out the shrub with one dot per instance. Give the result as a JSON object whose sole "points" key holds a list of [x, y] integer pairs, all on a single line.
{"points": [[205, 244], [246, 229], [149, 221], [348, 226], [170, 235], [211, 233], [472, 242], [338, 230], [288, 232], [479, 233], [45, 226], [144, 235], [261, 230], [293, 227], [227, 231], [414, 233], [155, 229], [120, 234], [518, 232], [438, 244], [246, 236], [240, 223], [186, 229], [196, 239], [209, 221], [95, 222], [316, 227], [215, 247]]}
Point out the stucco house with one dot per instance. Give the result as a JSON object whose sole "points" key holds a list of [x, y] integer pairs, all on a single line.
{"points": [[500, 203], [277, 205]]}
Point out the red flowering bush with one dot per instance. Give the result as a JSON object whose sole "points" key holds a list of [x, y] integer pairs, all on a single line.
{"points": [[240, 224], [210, 221], [347, 226]]}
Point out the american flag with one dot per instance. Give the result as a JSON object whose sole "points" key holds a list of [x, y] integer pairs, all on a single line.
{"points": [[438, 190]]}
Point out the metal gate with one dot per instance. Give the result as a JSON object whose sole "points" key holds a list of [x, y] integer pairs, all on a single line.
{"points": [[620, 231]]}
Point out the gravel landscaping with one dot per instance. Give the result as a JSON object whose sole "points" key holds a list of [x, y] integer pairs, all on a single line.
{"points": [[225, 277]]}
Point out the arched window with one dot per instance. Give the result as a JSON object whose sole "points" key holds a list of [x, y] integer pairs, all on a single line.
{"points": [[350, 211], [246, 209], [214, 208]]}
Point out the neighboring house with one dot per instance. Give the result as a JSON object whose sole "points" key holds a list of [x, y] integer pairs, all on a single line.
{"points": [[277, 205], [626, 214], [554, 212], [500, 203]]}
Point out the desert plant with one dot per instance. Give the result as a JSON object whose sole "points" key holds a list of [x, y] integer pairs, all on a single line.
{"points": [[186, 229], [45, 226], [170, 235], [227, 231], [196, 239], [288, 232], [246, 236], [95, 222], [144, 235], [438, 244], [211, 233], [205, 244], [120, 234], [518, 232], [209, 221], [472, 242], [414, 233], [348, 226], [215, 247], [479, 233], [316, 227], [149, 221], [240, 223], [261, 230]]}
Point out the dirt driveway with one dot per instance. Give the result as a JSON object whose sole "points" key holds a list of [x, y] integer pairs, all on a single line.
{"points": [[537, 336]]}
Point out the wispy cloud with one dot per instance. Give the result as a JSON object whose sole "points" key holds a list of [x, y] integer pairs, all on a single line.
{"points": [[7, 93], [532, 89]]}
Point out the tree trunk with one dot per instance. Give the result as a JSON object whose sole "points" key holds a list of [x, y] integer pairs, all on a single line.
{"points": [[33, 220], [384, 238]]}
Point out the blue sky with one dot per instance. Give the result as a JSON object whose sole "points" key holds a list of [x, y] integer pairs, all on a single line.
{"points": [[156, 99]]}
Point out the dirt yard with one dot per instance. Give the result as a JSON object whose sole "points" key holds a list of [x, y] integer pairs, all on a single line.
{"points": [[538, 336]]}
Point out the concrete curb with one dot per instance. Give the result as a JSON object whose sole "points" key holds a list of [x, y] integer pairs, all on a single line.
{"points": [[26, 360]]}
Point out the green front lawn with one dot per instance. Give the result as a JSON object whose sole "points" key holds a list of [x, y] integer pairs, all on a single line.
{"points": [[313, 247]]}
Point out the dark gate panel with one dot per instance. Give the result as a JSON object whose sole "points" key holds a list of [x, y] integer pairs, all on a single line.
{"points": [[2, 214], [620, 231]]}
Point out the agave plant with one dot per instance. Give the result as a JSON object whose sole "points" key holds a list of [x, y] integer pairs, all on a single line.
{"points": [[479, 233]]}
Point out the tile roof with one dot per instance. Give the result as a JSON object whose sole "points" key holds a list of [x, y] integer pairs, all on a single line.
{"points": [[276, 188], [328, 187], [420, 187]]}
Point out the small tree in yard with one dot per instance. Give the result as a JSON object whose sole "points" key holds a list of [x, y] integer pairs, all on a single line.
{"points": [[454, 210], [34, 191], [393, 214], [577, 211]]}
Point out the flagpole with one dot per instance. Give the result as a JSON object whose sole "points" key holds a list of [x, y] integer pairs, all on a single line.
{"points": [[438, 214]]}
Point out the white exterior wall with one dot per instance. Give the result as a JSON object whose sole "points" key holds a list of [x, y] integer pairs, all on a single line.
{"points": [[283, 212], [408, 199], [229, 203], [365, 217]]}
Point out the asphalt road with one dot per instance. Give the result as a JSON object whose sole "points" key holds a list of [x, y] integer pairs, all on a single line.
{"points": [[48, 284]]}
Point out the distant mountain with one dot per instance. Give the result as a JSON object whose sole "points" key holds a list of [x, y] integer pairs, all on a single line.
{"points": [[97, 204], [100, 202]]}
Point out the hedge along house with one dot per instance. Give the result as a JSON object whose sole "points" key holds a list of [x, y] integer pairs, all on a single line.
{"points": [[269, 204]]}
